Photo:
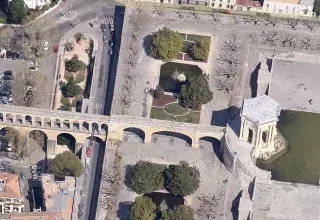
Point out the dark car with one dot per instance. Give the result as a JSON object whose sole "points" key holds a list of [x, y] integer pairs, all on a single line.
{"points": [[103, 27], [80, 207], [5, 163], [21, 56], [7, 73], [15, 55], [110, 51], [80, 214], [110, 43], [8, 77], [8, 54]]}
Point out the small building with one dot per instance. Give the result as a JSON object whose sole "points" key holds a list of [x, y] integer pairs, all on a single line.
{"points": [[289, 7], [11, 198], [58, 195]]}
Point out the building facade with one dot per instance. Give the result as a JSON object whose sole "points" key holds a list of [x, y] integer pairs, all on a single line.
{"points": [[289, 7], [11, 199]]}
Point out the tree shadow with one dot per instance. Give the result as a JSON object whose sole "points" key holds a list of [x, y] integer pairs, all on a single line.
{"points": [[61, 84], [254, 81], [123, 211], [128, 176], [146, 43]]}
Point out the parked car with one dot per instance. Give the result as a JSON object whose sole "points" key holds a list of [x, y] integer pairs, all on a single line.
{"points": [[33, 69], [3, 53], [80, 206], [105, 39], [110, 43], [89, 151], [2, 168], [7, 77], [5, 163], [110, 51], [80, 214], [103, 27], [111, 25], [21, 56], [33, 167], [46, 45], [86, 170], [15, 55], [22, 175], [82, 192], [7, 73], [9, 54], [87, 161]]}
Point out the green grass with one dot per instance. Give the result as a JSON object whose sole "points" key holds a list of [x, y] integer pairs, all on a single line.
{"points": [[67, 75], [64, 101], [192, 117], [176, 109], [159, 113], [186, 45], [79, 78], [195, 38], [301, 163]]}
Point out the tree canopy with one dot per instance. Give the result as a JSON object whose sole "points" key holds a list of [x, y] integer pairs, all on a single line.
{"points": [[74, 64], [66, 164], [182, 179], [147, 177], [196, 92], [71, 89], [40, 137], [200, 50], [17, 11], [143, 209], [182, 212], [316, 7], [165, 44]]}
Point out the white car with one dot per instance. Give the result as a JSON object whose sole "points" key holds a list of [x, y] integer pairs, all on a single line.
{"points": [[46, 45], [87, 161]]}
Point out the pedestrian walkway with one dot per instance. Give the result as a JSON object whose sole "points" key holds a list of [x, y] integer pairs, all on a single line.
{"points": [[106, 20]]}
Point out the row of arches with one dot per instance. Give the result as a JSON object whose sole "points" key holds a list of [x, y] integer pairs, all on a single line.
{"points": [[173, 138], [56, 123]]}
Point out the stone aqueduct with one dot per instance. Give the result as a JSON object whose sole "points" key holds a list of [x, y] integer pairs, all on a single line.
{"points": [[82, 126]]}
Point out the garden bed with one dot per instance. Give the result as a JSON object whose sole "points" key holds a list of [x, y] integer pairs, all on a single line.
{"points": [[166, 71], [163, 101]]}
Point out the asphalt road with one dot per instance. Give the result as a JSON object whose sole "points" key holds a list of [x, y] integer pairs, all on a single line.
{"points": [[88, 179]]}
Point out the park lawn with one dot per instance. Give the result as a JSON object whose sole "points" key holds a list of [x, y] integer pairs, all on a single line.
{"points": [[191, 117], [195, 38], [159, 113], [176, 109]]}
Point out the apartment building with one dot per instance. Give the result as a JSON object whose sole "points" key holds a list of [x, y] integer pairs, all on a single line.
{"points": [[11, 198], [289, 7]]}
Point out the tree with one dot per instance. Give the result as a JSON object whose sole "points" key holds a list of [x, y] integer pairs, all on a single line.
{"points": [[39, 137], [158, 92], [71, 89], [69, 46], [316, 7], [66, 164], [78, 37], [182, 179], [74, 64], [17, 11], [143, 209], [182, 212], [18, 142], [147, 177], [200, 50], [165, 44], [197, 92], [28, 89]]}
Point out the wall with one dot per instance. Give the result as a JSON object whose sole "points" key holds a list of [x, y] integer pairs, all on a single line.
{"points": [[287, 8]]}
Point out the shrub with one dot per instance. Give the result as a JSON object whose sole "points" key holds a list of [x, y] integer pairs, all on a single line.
{"points": [[79, 37], [182, 179], [147, 177], [200, 50], [165, 44], [69, 46], [74, 64], [182, 212], [143, 209], [66, 164], [197, 92]]}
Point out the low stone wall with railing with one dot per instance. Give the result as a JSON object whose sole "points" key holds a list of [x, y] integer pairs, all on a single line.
{"points": [[241, 166]]}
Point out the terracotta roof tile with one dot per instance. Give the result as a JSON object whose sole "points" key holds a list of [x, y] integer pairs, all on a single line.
{"points": [[12, 186]]}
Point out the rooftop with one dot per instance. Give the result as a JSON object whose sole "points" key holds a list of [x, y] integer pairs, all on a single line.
{"points": [[10, 187], [261, 109], [295, 81], [285, 201], [285, 1], [249, 3], [51, 215], [58, 195]]}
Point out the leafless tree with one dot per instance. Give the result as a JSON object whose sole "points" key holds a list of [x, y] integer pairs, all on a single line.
{"points": [[158, 10], [232, 44], [227, 71], [137, 20], [287, 40], [69, 46], [305, 43], [311, 25], [180, 13], [208, 207], [215, 18], [6, 37], [28, 89], [274, 21], [224, 84], [293, 23], [235, 19], [247, 19], [270, 37], [230, 58], [195, 14], [253, 37], [133, 48]]}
